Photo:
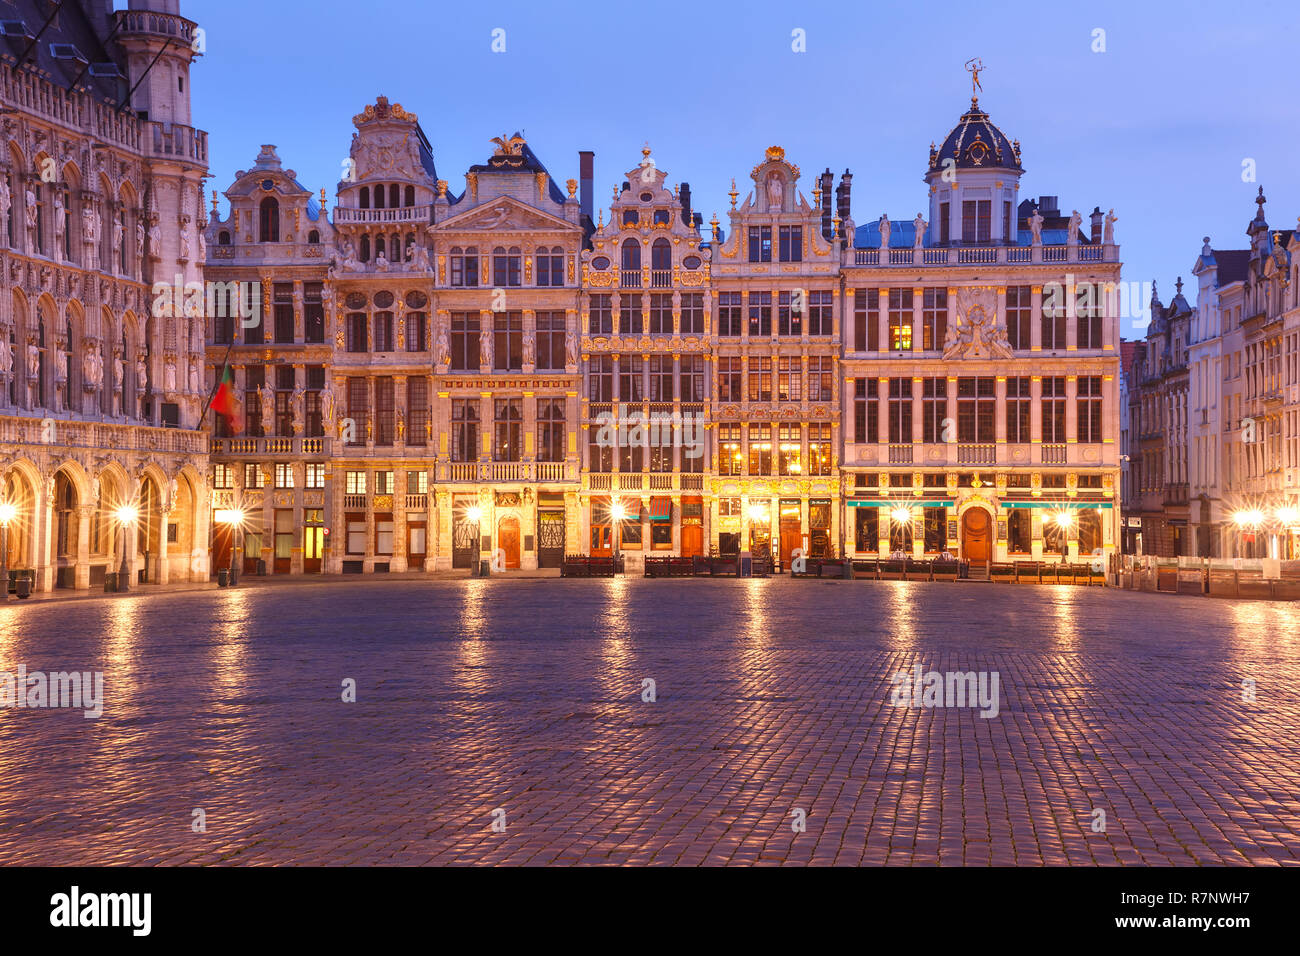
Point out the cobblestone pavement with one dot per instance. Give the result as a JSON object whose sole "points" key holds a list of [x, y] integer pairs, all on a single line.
{"points": [[772, 696]]}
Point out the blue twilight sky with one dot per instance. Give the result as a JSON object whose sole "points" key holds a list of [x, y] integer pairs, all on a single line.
{"points": [[1157, 126]]}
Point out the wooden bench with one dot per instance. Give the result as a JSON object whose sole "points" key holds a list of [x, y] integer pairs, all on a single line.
{"points": [[893, 570], [761, 566], [585, 566], [945, 570], [714, 566], [667, 566]]}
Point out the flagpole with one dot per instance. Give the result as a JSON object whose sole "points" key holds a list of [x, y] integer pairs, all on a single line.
{"points": [[225, 361]]}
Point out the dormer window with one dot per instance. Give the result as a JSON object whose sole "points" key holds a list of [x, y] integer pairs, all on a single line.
{"points": [[313, 237], [223, 238], [269, 220], [662, 217], [631, 217], [647, 197]]}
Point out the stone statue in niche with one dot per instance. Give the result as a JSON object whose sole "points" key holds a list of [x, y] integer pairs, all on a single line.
{"points": [[6, 202], [169, 374], [571, 348], [6, 354], [268, 410], [443, 348], [297, 405], [60, 226], [775, 191]]}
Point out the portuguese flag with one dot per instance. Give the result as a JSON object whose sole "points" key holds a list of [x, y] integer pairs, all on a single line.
{"points": [[224, 402]]}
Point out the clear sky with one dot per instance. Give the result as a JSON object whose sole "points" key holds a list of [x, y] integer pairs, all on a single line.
{"points": [[1157, 126]]}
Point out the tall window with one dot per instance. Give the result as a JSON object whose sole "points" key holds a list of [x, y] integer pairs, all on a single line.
{"points": [[945, 223], [760, 449], [976, 220], [508, 443], [268, 222], [1088, 317], [600, 378], [550, 429], [820, 313], [464, 266], [550, 341], [1053, 320], [900, 320], [1089, 408], [791, 243], [417, 332], [934, 318], [630, 368], [730, 459], [358, 408], [282, 308], [358, 338], [507, 267], [1019, 409], [1053, 408], [692, 318], [600, 320], [661, 313], [821, 372], [254, 378], [69, 365], [313, 313], [789, 320], [760, 314], [661, 264], [866, 320], [630, 318], [508, 342], [789, 447], [465, 341], [661, 378], [900, 410], [1019, 316], [550, 266], [866, 411], [417, 410], [384, 410], [464, 429], [976, 409], [631, 262], [789, 378], [760, 379], [383, 331], [730, 313], [730, 379], [691, 382], [760, 243], [934, 409], [819, 448]]}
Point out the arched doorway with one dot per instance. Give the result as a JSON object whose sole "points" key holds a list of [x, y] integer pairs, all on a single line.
{"points": [[149, 530], [508, 540], [976, 536], [16, 490], [65, 531]]}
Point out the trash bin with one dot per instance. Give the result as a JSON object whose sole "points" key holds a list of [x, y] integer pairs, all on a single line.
{"points": [[223, 577], [746, 566], [261, 568], [110, 583], [485, 568], [23, 587], [234, 576]]}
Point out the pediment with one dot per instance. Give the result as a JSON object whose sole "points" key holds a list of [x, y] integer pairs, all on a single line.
{"points": [[504, 214]]}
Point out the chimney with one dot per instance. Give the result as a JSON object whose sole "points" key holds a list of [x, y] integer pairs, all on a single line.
{"points": [[684, 194], [827, 180], [1097, 218], [585, 174], [842, 196]]}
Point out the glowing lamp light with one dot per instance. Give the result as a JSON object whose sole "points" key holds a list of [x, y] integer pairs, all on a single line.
{"points": [[474, 513], [757, 513], [1248, 518], [1286, 515], [901, 515], [617, 511], [127, 514], [7, 513], [1064, 519], [228, 516]]}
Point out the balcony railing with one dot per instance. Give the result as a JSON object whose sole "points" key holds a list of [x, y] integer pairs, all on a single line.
{"points": [[417, 502], [550, 471], [981, 255], [476, 471], [1054, 454], [977, 454], [171, 140], [355, 502], [661, 278], [159, 24], [285, 447], [630, 278], [77, 434], [402, 214]]}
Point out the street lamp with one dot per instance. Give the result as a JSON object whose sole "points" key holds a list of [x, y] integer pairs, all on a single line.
{"points": [[617, 512], [7, 514], [475, 514], [126, 516], [1064, 520], [234, 519]]}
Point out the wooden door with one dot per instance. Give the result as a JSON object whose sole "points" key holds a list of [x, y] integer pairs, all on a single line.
{"points": [[692, 541], [416, 545], [508, 541], [976, 528], [550, 539]]}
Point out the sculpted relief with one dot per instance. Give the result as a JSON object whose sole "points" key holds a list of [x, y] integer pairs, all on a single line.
{"points": [[975, 332]]}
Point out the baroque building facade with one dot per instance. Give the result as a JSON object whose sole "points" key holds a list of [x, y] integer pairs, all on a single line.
{"points": [[442, 377], [101, 327]]}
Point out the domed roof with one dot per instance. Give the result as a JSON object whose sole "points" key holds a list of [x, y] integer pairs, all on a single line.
{"points": [[975, 143]]}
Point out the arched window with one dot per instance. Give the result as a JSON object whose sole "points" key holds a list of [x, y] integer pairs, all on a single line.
{"points": [[313, 237], [506, 266], [395, 244], [631, 262], [661, 256], [379, 197], [379, 246], [70, 368], [550, 266], [365, 197], [365, 248], [393, 196], [464, 266], [223, 238], [269, 221], [410, 195], [42, 363], [128, 377]]}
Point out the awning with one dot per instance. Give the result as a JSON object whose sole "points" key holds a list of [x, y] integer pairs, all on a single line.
{"points": [[898, 502], [1059, 505], [661, 508]]}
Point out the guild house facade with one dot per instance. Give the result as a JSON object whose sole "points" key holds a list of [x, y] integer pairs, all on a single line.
{"points": [[502, 371], [102, 467]]}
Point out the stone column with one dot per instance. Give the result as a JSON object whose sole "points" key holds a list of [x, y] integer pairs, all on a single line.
{"points": [[43, 537], [1000, 422], [164, 569], [882, 404], [918, 319], [440, 549], [950, 453], [1071, 409], [882, 318], [82, 574], [1071, 317], [918, 425], [1036, 319], [1036, 410]]}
